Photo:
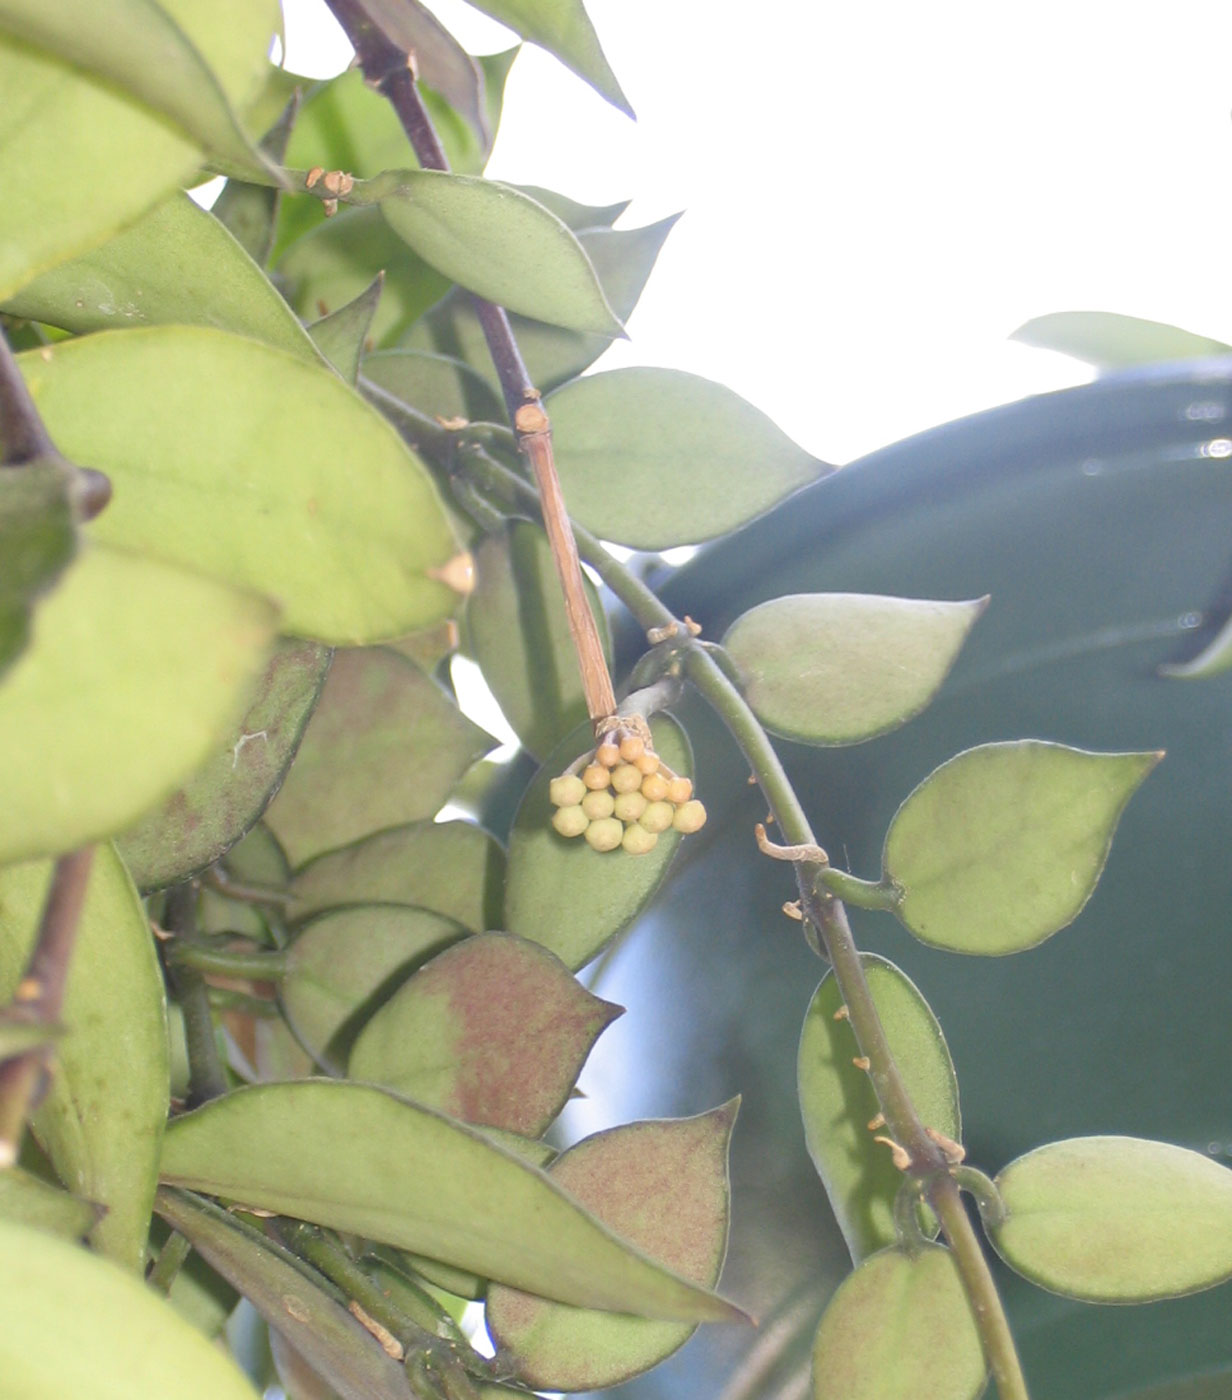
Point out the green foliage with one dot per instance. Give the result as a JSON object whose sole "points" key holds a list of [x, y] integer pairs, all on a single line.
{"points": [[358, 1104]]}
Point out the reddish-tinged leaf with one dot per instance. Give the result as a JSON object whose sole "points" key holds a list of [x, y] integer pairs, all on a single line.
{"points": [[494, 1031]]}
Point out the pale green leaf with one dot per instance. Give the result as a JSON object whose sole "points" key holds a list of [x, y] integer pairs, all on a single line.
{"points": [[651, 458], [37, 540], [664, 1186], [436, 385], [361, 1160], [176, 264], [454, 868], [564, 29], [500, 244], [26, 1199], [201, 821], [341, 335], [135, 672], [125, 1340], [247, 463], [331, 266], [103, 1116], [384, 747], [1117, 1219], [838, 668], [1112, 341], [248, 211], [1002, 846], [561, 893], [569, 211], [837, 1099], [493, 1031], [1212, 660], [317, 1324], [345, 962], [623, 260], [79, 159], [519, 634], [899, 1328], [147, 51]]}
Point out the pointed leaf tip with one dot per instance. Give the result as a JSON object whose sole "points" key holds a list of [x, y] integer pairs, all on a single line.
{"points": [[1001, 847]]}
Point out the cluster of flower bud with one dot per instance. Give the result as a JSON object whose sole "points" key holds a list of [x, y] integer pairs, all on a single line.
{"points": [[623, 794]]}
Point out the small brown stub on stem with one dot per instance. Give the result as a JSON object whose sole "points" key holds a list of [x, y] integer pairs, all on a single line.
{"points": [[457, 573], [390, 1345], [530, 418], [313, 176], [876, 1122], [952, 1151], [862, 1062], [842, 1013], [330, 206], [793, 911], [898, 1155]]}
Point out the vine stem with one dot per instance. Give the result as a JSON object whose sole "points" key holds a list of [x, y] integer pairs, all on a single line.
{"points": [[391, 70], [827, 914], [207, 1079], [40, 993]]}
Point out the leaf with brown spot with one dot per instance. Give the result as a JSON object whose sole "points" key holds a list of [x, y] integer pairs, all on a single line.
{"points": [[384, 747], [494, 1031], [664, 1186]]}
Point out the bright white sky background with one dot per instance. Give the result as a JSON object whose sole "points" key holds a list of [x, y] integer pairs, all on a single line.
{"points": [[876, 195]]}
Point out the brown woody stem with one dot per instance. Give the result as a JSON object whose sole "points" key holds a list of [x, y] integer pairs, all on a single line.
{"points": [[40, 993], [391, 71]]}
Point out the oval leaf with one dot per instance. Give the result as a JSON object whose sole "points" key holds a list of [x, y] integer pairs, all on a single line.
{"points": [[139, 47], [837, 668], [493, 1031], [623, 260], [157, 660], [79, 158], [519, 634], [317, 503], [655, 457], [837, 1099], [176, 264], [361, 1160], [1117, 1219], [899, 1328], [564, 29], [126, 1340], [436, 385], [497, 242], [384, 747], [561, 893], [664, 1186], [103, 1116], [454, 868], [346, 962], [1002, 846], [1113, 341], [202, 821]]}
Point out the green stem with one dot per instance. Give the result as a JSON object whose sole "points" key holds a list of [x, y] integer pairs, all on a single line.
{"points": [[826, 913], [420, 1333], [207, 1079], [169, 1262], [990, 1320], [221, 962], [864, 894]]}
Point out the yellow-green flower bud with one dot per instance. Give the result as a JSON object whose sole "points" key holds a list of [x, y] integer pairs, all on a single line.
{"points": [[605, 834], [690, 816], [566, 791], [626, 778], [657, 816], [598, 805], [629, 806], [637, 840], [570, 821]]}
